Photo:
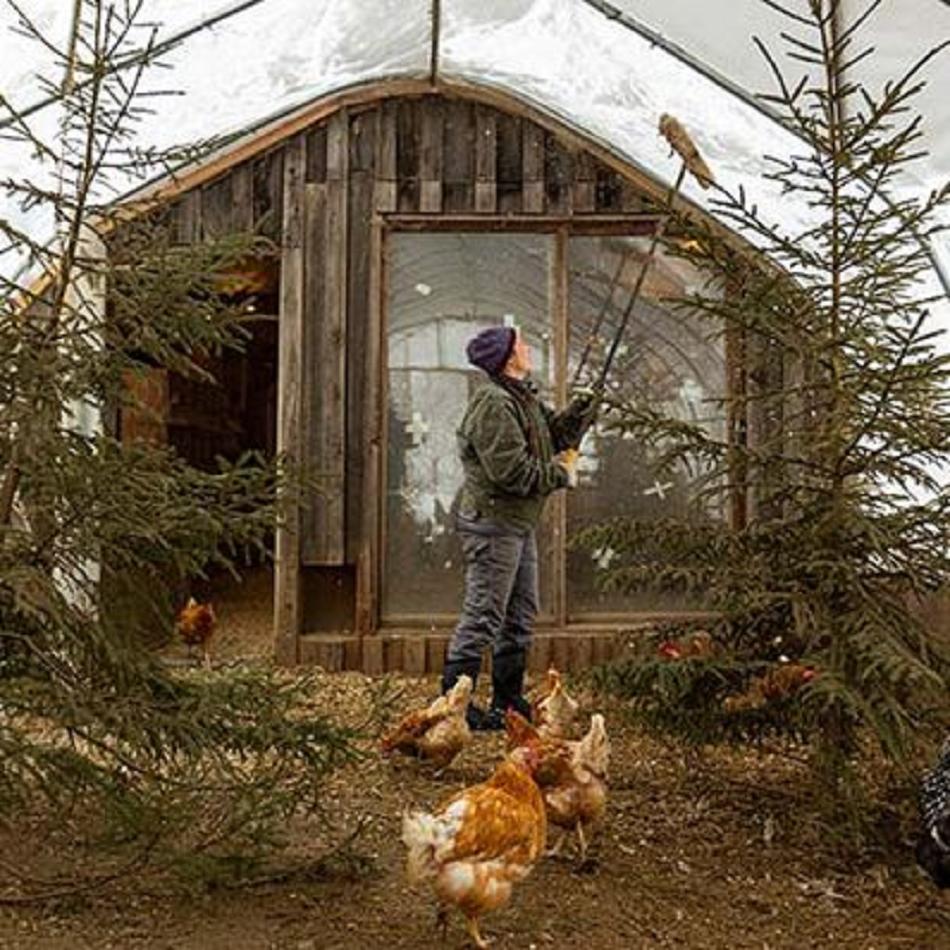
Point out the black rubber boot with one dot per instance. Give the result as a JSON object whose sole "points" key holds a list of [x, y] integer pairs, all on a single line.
{"points": [[507, 685], [453, 669]]}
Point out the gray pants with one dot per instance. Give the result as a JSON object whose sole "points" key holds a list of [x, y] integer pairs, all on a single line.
{"points": [[501, 591]]}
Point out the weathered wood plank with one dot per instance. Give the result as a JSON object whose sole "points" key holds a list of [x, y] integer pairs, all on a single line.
{"points": [[267, 173], [359, 384], [313, 527], [407, 156], [327, 652], [367, 593], [458, 149], [532, 158], [583, 198], [508, 166], [430, 155], [393, 653], [608, 190], [539, 655], [242, 198], [561, 651], [287, 600], [373, 656], [485, 159], [187, 218], [558, 176], [414, 655], [317, 154], [353, 653], [435, 653], [386, 146], [362, 144], [216, 206], [324, 372], [330, 338]]}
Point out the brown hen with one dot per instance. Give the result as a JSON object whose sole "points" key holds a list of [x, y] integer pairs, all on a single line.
{"points": [[554, 710], [572, 774], [195, 625], [437, 733], [480, 843]]}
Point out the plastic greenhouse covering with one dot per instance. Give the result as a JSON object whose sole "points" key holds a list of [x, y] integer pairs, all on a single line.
{"points": [[606, 69]]}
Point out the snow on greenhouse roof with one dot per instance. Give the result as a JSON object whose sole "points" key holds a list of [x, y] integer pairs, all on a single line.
{"points": [[606, 69]]}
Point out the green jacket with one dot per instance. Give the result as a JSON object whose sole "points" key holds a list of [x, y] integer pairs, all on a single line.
{"points": [[507, 440]]}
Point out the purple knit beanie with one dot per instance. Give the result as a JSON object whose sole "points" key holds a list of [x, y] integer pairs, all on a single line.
{"points": [[490, 349]]}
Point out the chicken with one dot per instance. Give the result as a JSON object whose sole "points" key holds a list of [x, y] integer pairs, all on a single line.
{"points": [[672, 130], [933, 844], [195, 625], [777, 683], [698, 646], [437, 733], [554, 711], [480, 843], [572, 775]]}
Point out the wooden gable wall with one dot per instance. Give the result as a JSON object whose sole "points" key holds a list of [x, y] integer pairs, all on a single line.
{"points": [[324, 195]]}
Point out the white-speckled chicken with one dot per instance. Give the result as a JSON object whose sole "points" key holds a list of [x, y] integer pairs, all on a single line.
{"points": [[933, 845], [437, 733]]}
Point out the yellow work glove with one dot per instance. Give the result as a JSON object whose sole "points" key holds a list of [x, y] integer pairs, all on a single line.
{"points": [[568, 461]]}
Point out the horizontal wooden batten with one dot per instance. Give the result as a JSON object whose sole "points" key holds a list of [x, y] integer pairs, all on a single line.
{"points": [[635, 225], [421, 654]]}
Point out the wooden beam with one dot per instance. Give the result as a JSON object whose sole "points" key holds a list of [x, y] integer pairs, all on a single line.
{"points": [[325, 351], [287, 601], [368, 576]]}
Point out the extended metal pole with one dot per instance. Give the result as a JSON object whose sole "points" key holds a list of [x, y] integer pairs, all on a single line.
{"points": [[641, 277]]}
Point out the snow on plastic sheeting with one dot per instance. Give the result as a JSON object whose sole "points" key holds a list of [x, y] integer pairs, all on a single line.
{"points": [[244, 70]]}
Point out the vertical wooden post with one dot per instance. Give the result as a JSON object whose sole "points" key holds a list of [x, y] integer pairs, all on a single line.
{"points": [[367, 607], [287, 606]]}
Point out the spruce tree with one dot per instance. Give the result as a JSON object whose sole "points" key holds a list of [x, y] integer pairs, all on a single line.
{"points": [[837, 439], [121, 747]]}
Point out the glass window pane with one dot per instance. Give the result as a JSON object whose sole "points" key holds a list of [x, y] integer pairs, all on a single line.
{"points": [[669, 360], [442, 289]]}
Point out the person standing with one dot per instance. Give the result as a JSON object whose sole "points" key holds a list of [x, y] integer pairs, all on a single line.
{"points": [[515, 452]]}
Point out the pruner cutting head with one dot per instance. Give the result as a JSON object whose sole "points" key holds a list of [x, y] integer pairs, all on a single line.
{"points": [[683, 145]]}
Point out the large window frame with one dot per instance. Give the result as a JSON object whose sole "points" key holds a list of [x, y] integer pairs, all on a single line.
{"points": [[562, 230]]}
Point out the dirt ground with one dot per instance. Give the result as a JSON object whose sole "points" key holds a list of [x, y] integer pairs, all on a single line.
{"points": [[722, 851], [718, 851]]}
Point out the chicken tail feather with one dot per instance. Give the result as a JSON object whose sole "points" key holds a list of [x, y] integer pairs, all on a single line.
{"points": [[421, 834]]}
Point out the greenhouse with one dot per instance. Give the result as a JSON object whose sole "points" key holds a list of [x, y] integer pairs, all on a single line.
{"points": [[429, 169]]}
